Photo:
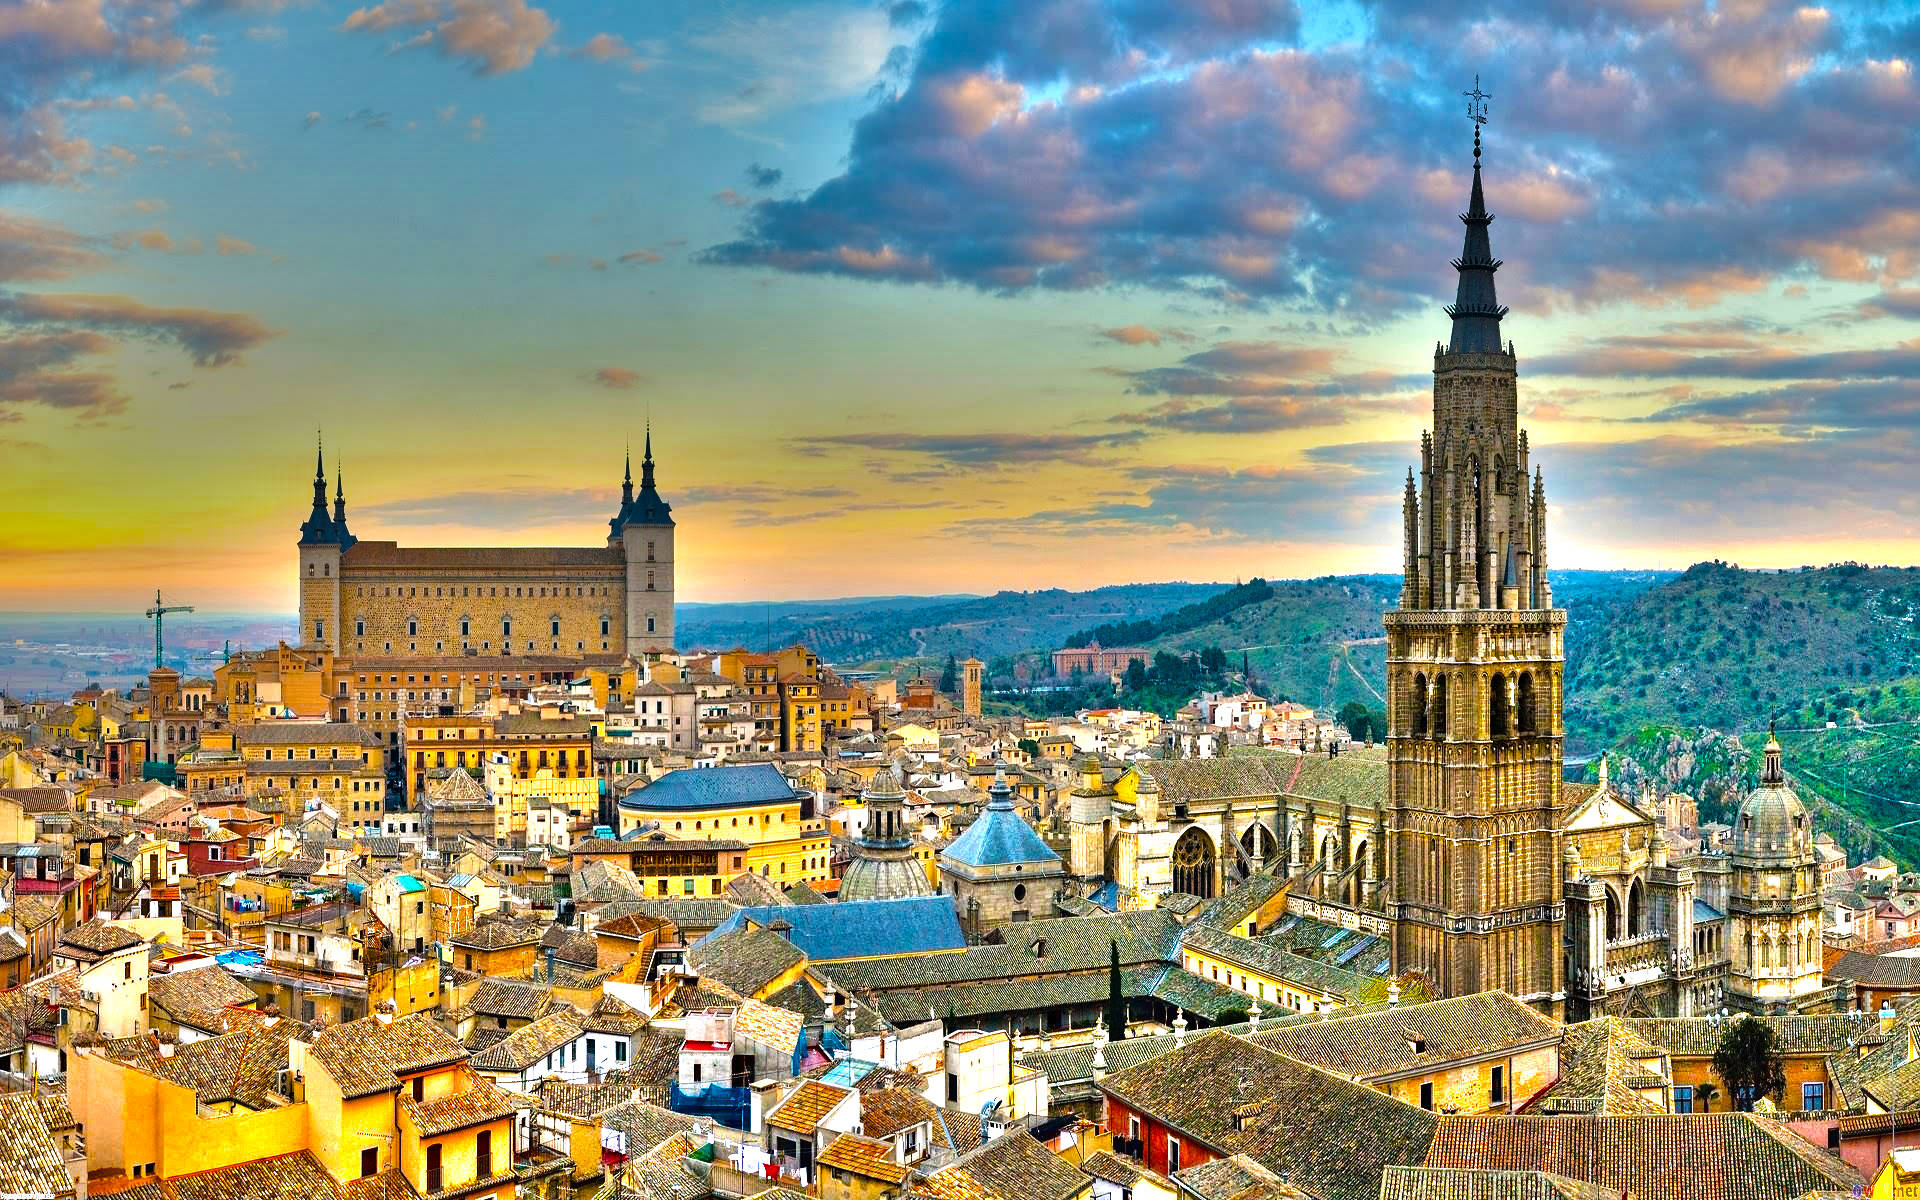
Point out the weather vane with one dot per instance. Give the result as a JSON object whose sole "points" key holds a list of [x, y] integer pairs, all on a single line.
{"points": [[1477, 102]]}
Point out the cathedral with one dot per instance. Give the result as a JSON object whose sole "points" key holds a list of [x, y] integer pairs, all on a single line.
{"points": [[1461, 844], [379, 601]]}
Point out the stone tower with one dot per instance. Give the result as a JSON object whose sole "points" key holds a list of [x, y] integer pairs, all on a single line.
{"points": [[1773, 898], [885, 865], [644, 530], [1474, 659], [323, 538], [970, 686]]}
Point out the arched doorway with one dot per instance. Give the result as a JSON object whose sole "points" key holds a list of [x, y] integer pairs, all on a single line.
{"points": [[1356, 883], [1193, 864]]}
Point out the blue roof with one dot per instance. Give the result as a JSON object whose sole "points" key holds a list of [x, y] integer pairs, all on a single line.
{"points": [[999, 838], [1702, 911], [713, 787], [848, 1071], [858, 928], [409, 884]]}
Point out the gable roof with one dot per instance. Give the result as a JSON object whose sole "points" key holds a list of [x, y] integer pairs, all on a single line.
{"points": [[745, 958], [1381, 1044], [368, 1056], [1706, 1156], [1464, 1183], [1324, 1133], [1014, 1166], [30, 1160]]}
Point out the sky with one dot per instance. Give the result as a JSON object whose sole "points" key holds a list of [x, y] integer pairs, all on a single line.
{"points": [[926, 297]]}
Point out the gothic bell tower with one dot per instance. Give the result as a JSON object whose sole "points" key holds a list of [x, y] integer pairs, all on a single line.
{"points": [[1474, 662]]}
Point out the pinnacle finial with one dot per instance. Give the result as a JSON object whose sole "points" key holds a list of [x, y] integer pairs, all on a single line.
{"points": [[319, 455], [339, 492], [647, 454], [628, 478]]}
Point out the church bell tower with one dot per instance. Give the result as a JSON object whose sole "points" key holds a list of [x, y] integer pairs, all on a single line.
{"points": [[1474, 663]]}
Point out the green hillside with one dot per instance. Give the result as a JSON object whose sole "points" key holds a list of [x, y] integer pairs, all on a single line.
{"points": [[885, 630], [1723, 648]]}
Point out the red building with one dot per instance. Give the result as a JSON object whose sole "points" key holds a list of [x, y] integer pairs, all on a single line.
{"points": [[1095, 659]]}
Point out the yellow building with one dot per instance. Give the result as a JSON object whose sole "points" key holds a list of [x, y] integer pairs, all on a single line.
{"points": [[587, 604], [258, 685], [315, 762], [800, 713], [858, 1168], [548, 753], [785, 841]]}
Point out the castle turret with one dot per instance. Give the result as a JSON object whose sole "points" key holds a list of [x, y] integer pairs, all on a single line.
{"points": [[321, 542], [644, 529]]}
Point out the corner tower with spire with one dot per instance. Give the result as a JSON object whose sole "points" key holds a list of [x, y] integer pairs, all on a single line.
{"points": [[643, 531], [1474, 665], [323, 537]]}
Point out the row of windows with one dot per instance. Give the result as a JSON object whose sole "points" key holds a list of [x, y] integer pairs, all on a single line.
{"points": [[466, 627], [448, 592]]}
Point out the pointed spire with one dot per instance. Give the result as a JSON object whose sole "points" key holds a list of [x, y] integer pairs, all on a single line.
{"points": [[318, 527], [626, 482], [1476, 310]]}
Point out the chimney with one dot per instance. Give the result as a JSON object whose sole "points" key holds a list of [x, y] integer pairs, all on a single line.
{"points": [[1393, 994]]}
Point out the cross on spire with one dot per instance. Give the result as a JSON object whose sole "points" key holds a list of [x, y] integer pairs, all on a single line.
{"points": [[1477, 113]]}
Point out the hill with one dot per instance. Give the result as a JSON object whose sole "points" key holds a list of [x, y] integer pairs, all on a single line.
{"points": [[1723, 648], [883, 630]]}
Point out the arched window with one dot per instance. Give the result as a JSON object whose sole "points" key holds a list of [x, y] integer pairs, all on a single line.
{"points": [[1439, 706], [1497, 714], [1613, 916], [1524, 718], [1636, 905], [1193, 862], [1420, 705]]}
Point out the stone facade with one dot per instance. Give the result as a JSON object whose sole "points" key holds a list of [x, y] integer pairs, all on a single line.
{"points": [[1773, 900], [364, 599]]}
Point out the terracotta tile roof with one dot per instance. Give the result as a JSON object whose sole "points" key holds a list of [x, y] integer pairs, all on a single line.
{"points": [[96, 940], [646, 1126], [566, 1098], [512, 998], [30, 1159], [745, 960], [863, 1156], [1235, 1177], [1603, 1067], [241, 1066], [807, 1105], [500, 935], [1414, 1038], [1699, 1037], [1720, 1156], [297, 1176], [776, 1028], [197, 998], [1322, 1132], [886, 1111], [1456, 1183], [530, 1043], [475, 1100], [1014, 1166], [368, 1056], [613, 1015]]}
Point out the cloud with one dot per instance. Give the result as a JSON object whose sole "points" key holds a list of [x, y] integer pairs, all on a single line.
{"points": [[730, 198], [1081, 144], [493, 37], [762, 177], [312, 119], [639, 257], [224, 245], [611, 48], [1133, 335], [210, 339], [35, 369], [36, 250], [976, 449], [619, 378]]}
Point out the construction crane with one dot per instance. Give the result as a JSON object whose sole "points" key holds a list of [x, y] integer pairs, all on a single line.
{"points": [[158, 613]]}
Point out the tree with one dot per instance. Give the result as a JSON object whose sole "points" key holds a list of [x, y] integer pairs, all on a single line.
{"points": [[1031, 747], [1136, 675], [1355, 716], [1749, 1062], [950, 674], [1116, 999]]}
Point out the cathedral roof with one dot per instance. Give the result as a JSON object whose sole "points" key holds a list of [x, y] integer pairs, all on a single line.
{"points": [[1772, 820], [999, 837]]}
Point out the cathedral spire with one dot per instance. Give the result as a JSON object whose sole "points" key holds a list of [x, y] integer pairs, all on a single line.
{"points": [[646, 460], [1476, 310], [340, 508], [626, 484]]}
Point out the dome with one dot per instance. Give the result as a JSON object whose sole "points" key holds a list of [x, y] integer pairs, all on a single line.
{"points": [[873, 877], [884, 785], [1772, 819]]}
